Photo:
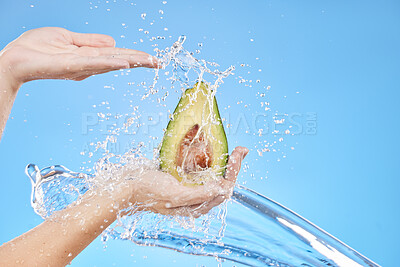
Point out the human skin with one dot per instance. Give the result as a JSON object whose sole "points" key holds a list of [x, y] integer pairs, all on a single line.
{"points": [[56, 53]]}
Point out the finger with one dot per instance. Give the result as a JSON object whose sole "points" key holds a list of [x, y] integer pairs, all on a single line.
{"points": [[207, 206], [90, 65], [136, 61], [92, 39], [184, 212], [81, 76], [139, 60], [87, 74], [180, 211], [134, 57], [235, 162], [108, 51], [192, 196]]}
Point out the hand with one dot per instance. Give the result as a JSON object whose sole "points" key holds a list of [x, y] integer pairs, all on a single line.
{"points": [[56, 53], [162, 193]]}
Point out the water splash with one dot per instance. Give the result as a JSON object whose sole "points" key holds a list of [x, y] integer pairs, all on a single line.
{"points": [[251, 229], [55, 187], [187, 69]]}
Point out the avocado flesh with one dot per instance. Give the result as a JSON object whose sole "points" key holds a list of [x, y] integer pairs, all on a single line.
{"points": [[194, 147]]}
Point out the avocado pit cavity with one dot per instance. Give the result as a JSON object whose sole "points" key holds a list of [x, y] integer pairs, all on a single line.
{"points": [[194, 152]]}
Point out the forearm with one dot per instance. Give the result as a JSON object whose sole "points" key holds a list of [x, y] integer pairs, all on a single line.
{"points": [[8, 91], [58, 241]]}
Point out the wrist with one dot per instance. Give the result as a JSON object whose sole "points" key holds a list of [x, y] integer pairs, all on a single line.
{"points": [[7, 79], [120, 194]]}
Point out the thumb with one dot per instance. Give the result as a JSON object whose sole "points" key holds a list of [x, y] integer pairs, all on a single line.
{"points": [[235, 162]]}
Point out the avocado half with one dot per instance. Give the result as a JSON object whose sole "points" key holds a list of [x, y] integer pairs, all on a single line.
{"points": [[194, 147]]}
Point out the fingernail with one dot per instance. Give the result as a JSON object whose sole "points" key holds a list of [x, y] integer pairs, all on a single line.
{"points": [[154, 62], [245, 152], [125, 65], [111, 42]]}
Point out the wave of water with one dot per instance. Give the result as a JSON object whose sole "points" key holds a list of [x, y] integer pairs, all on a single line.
{"points": [[249, 229]]}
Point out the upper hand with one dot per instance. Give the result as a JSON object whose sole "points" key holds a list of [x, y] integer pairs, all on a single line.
{"points": [[56, 53]]}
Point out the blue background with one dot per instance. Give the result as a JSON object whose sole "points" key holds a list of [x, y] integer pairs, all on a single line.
{"points": [[336, 60]]}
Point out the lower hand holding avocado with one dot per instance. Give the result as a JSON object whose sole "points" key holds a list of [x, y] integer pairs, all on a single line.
{"points": [[170, 196]]}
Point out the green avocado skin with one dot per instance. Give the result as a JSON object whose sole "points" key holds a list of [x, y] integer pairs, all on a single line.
{"points": [[197, 105]]}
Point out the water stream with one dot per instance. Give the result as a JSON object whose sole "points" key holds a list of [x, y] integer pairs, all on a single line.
{"points": [[250, 229]]}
